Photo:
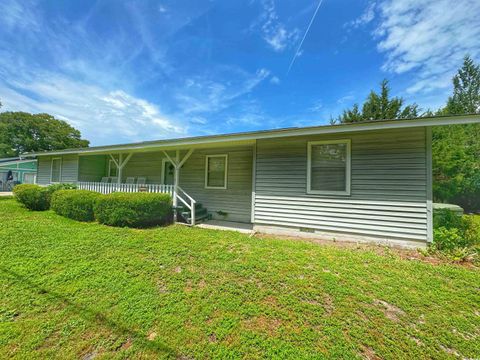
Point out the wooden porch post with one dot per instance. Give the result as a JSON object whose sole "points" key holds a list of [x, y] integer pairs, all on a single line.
{"points": [[177, 164], [120, 165], [119, 170]]}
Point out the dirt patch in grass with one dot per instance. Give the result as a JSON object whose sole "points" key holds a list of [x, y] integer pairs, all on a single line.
{"points": [[392, 312], [383, 250], [263, 323]]}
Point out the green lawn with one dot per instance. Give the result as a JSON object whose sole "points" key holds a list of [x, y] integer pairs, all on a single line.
{"points": [[80, 290]]}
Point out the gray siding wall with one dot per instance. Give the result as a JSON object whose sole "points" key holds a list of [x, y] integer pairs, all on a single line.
{"points": [[236, 200], [69, 169], [388, 186]]}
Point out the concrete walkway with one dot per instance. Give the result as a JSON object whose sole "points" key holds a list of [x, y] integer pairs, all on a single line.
{"points": [[227, 225], [6, 193]]}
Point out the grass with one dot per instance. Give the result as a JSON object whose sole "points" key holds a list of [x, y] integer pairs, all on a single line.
{"points": [[83, 290]]}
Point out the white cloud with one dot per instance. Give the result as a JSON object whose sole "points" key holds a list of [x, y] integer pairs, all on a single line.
{"points": [[275, 80], [316, 107], [428, 36], [275, 32], [201, 95], [98, 113], [367, 16]]}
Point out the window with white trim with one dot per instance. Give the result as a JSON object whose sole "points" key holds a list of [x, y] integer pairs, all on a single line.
{"points": [[216, 171], [112, 168], [56, 170], [329, 167]]}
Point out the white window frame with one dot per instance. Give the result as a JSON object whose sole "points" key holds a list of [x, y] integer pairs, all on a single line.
{"points": [[110, 162], [206, 171], [51, 170], [348, 164]]}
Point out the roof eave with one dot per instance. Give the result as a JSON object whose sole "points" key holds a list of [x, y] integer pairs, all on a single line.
{"points": [[257, 135]]}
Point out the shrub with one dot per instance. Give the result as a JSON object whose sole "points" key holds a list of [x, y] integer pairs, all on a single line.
{"points": [[452, 231], [74, 204], [32, 196], [133, 209], [55, 187]]}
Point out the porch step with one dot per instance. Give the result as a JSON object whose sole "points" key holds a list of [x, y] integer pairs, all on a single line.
{"points": [[201, 213]]}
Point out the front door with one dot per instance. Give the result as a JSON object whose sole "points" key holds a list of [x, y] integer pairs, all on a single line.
{"points": [[168, 173]]}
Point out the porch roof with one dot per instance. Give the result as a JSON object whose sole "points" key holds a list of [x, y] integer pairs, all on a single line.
{"points": [[250, 137]]}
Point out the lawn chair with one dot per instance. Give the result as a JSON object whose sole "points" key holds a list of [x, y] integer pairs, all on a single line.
{"points": [[130, 180], [141, 181], [105, 179], [113, 179]]}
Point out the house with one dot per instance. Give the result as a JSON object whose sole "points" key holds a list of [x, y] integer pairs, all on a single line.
{"points": [[24, 171], [369, 181]]}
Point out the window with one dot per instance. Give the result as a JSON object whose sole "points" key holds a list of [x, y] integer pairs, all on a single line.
{"points": [[328, 168], [216, 172], [56, 171], [112, 168]]}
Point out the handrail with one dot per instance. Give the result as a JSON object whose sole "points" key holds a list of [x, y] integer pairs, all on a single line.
{"points": [[191, 207], [188, 196], [186, 204]]}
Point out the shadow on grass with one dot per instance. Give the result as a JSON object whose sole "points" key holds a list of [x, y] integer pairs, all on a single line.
{"points": [[91, 315]]}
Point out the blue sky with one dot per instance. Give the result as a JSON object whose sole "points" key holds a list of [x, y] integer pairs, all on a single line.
{"points": [[123, 71]]}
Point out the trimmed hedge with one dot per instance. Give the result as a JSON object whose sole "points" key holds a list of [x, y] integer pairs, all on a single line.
{"points": [[137, 210], [32, 196], [35, 197], [74, 204]]}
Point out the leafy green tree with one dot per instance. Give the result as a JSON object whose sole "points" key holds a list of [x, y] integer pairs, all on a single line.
{"points": [[456, 148], [22, 132], [379, 106], [466, 90]]}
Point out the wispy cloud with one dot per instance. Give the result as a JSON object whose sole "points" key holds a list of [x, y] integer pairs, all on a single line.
{"points": [[209, 93], [428, 36], [275, 32], [367, 16]]}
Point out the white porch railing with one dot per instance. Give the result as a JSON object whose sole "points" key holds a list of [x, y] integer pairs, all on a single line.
{"points": [[107, 188]]}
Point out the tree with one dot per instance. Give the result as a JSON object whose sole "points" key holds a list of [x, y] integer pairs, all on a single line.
{"points": [[379, 106], [22, 132], [456, 148], [466, 90]]}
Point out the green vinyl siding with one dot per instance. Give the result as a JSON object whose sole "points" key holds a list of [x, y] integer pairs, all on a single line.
{"points": [[91, 168], [388, 186]]}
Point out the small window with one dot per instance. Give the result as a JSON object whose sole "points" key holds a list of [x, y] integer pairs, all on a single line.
{"points": [[56, 172], [216, 172], [329, 167], [112, 168]]}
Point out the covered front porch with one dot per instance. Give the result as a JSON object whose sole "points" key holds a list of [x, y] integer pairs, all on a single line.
{"points": [[205, 183]]}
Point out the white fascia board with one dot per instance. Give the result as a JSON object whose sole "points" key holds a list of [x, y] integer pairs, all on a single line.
{"points": [[249, 138]]}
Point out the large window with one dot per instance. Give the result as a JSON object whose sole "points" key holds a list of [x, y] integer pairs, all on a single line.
{"points": [[216, 172], [56, 171], [328, 170]]}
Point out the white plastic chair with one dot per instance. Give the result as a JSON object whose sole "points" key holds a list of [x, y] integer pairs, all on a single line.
{"points": [[113, 179], [105, 179], [141, 180], [130, 180]]}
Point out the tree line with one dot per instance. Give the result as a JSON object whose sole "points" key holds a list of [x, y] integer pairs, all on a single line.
{"points": [[455, 149]]}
